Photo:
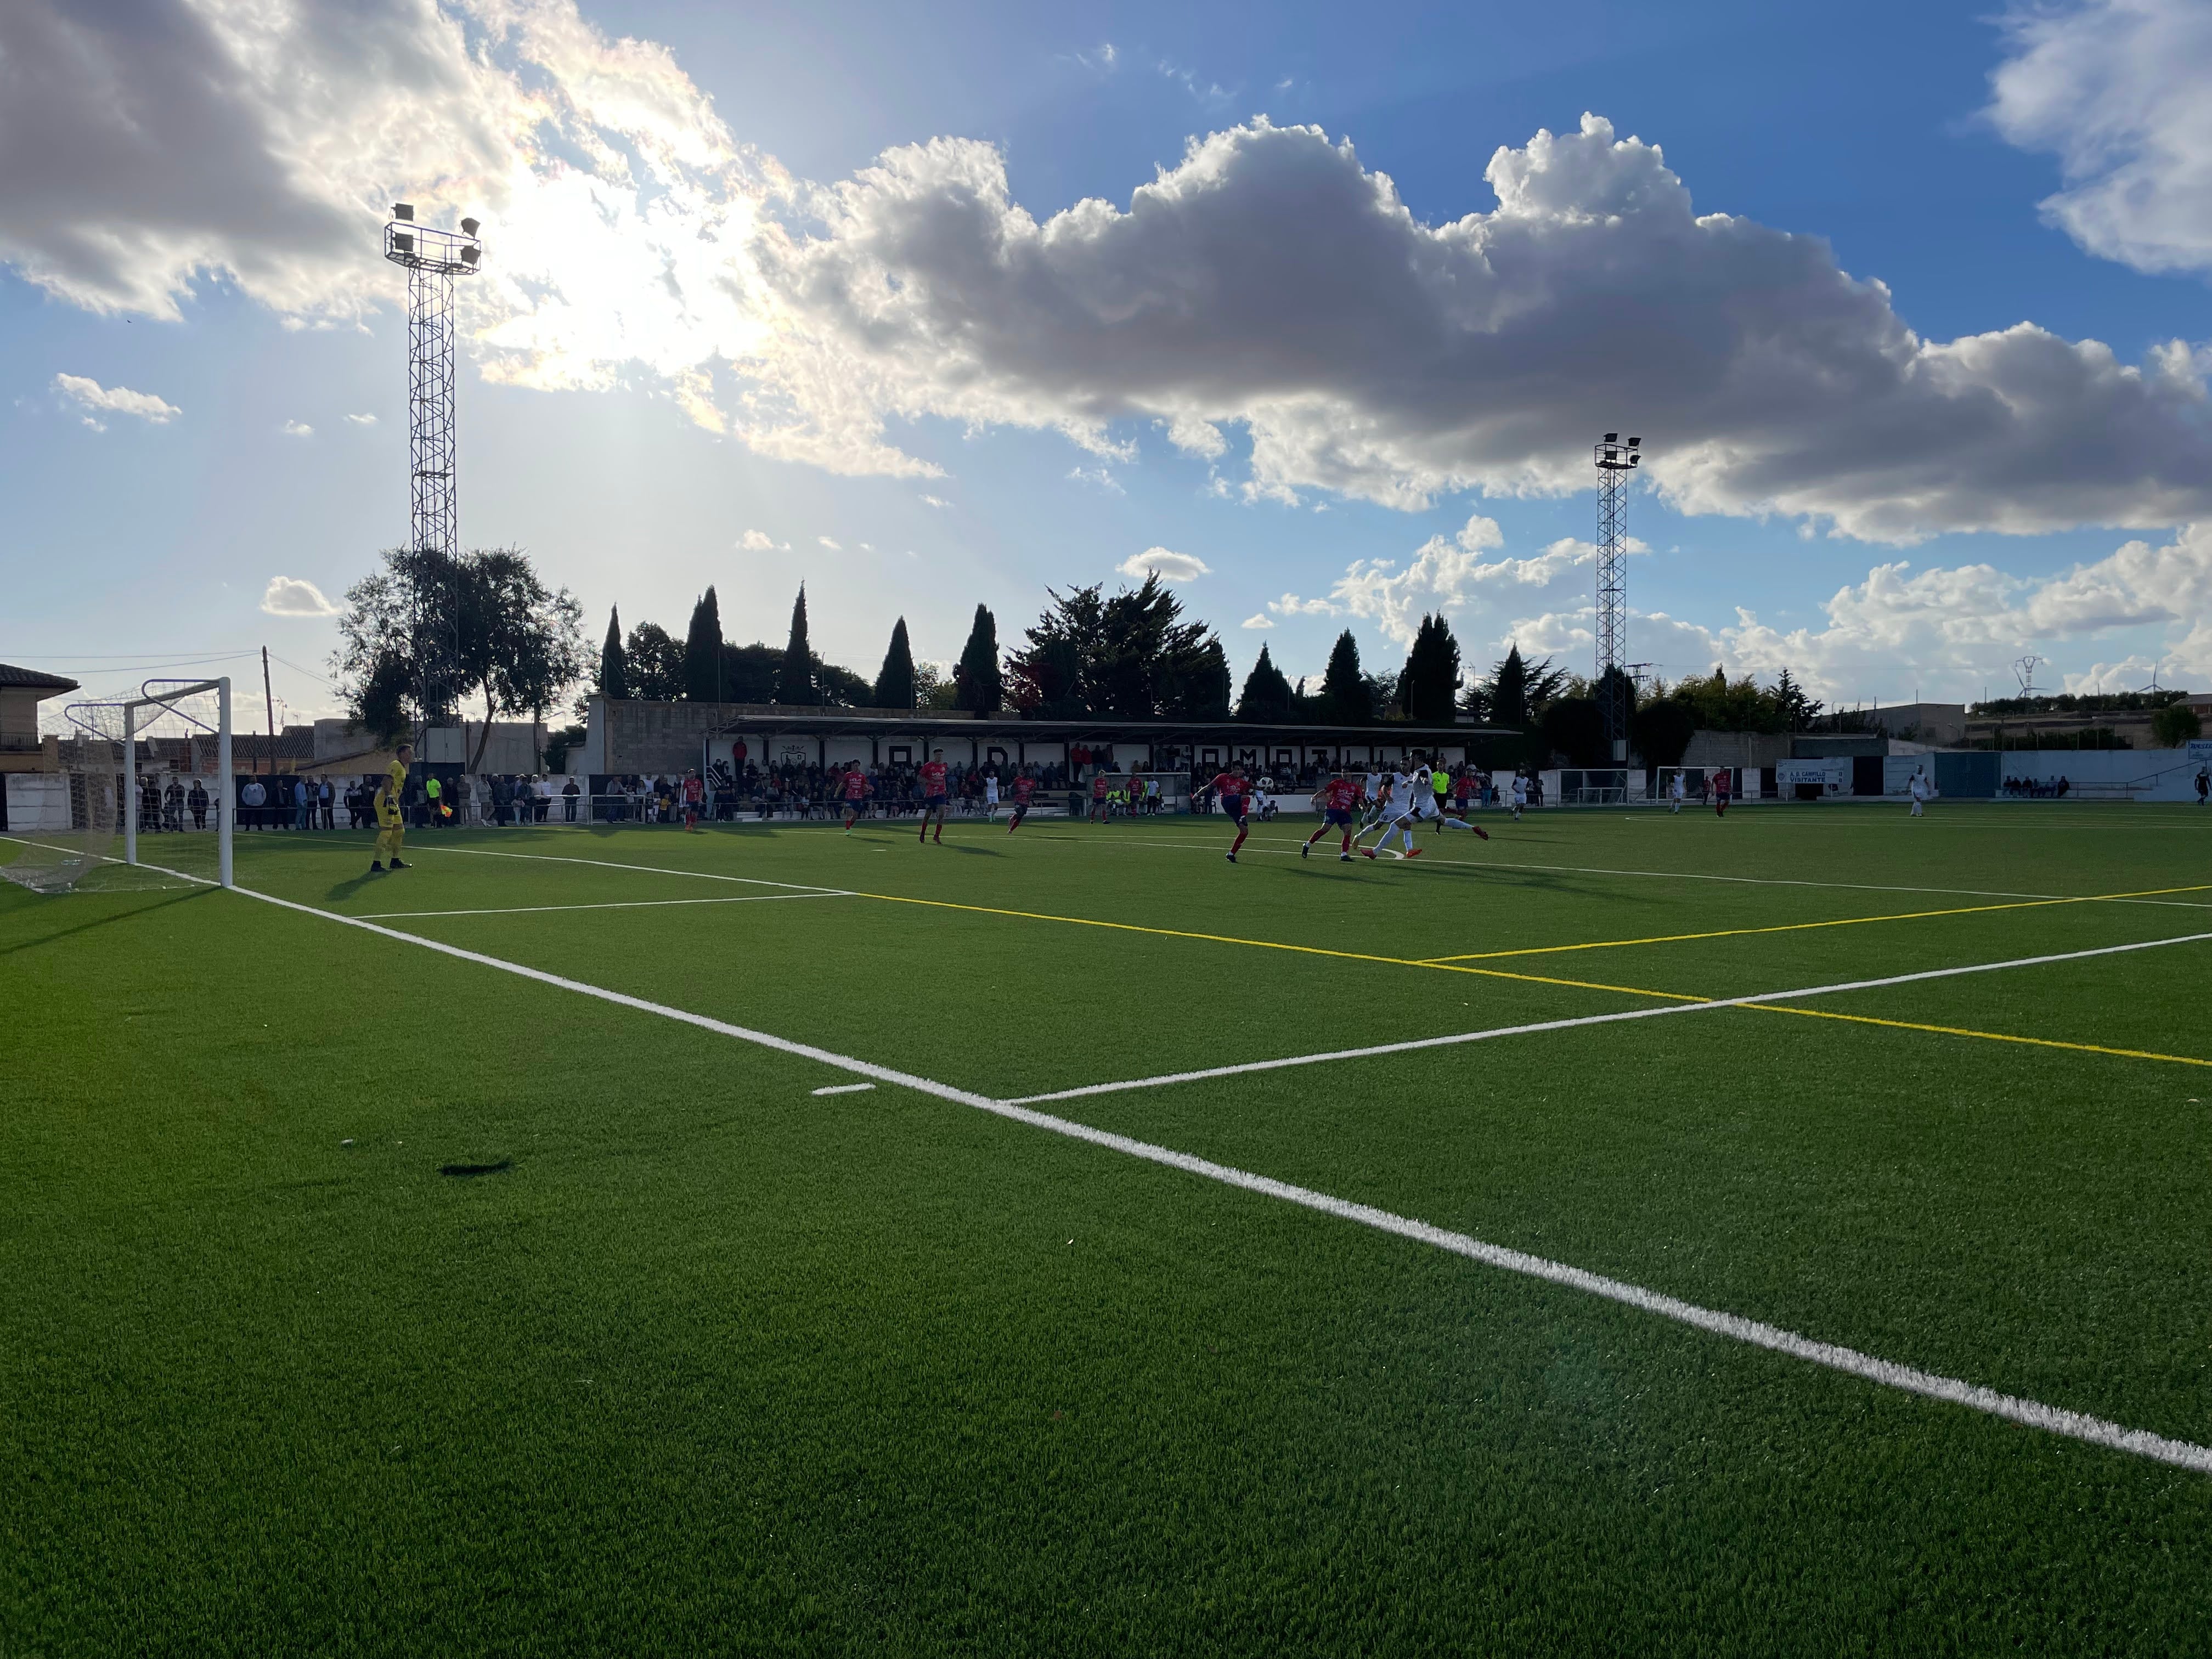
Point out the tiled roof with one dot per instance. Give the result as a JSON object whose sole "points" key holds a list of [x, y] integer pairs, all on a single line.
{"points": [[11, 675]]}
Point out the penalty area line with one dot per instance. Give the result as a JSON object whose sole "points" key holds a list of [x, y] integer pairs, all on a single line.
{"points": [[2031, 1414]]}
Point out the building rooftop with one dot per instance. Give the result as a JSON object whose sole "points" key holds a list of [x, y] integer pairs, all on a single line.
{"points": [[32, 679]]}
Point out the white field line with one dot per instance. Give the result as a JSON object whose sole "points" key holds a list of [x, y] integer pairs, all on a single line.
{"points": [[845, 1089], [643, 869], [623, 904], [2053, 1420], [1615, 1019]]}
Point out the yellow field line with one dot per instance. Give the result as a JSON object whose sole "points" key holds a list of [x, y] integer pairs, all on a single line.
{"points": [[1986, 1037], [1577, 984], [1277, 944], [1801, 927]]}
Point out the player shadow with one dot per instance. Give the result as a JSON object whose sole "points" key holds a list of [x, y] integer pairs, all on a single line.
{"points": [[974, 851], [352, 884]]}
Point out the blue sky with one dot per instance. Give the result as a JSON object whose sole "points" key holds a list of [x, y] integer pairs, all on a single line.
{"points": [[980, 442]]}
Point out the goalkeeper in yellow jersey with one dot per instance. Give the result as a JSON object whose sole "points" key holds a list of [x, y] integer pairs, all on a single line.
{"points": [[390, 826]]}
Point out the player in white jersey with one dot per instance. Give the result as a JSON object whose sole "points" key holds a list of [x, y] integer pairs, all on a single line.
{"points": [[1921, 791], [1676, 793], [1519, 795], [991, 797], [1386, 803], [1415, 801]]}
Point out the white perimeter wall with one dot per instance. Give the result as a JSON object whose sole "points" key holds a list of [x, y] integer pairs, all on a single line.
{"points": [[2159, 773]]}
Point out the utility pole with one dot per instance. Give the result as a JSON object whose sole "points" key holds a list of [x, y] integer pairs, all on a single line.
{"points": [[269, 707]]}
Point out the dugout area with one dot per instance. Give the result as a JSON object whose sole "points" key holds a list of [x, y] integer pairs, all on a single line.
{"points": [[718, 1362]]}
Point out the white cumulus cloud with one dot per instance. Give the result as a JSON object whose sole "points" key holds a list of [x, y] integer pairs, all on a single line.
{"points": [[1167, 566], [90, 395], [1268, 282], [2116, 88], [362, 420], [294, 596], [1259, 619], [759, 541], [297, 429], [833, 546]]}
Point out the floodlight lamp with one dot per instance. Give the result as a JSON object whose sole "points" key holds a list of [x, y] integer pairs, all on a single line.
{"points": [[1633, 442], [469, 255], [404, 211], [401, 243], [468, 227]]}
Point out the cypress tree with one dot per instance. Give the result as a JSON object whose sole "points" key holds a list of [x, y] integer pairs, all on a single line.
{"points": [[1347, 699], [702, 651], [895, 680], [977, 676], [614, 663], [1431, 683], [794, 680], [1267, 695]]}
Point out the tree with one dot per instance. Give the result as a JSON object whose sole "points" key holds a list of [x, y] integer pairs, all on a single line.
{"points": [[483, 623], [1132, 656], [1798, 710], [2175, 724], [614, 668], [1574, 726], [1347, 697], [656, 663], [748, 672], [794, 680], [1428, 687], [894, 686], [976, 674], [1267, 695], [841, 688], [702, 651], [1661, 730]]}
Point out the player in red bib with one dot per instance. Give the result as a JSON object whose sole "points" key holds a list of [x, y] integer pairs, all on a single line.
{"points": [[1338, 800], [1023, 788], [856, 795], [934, 797], [1720, 793], [1234, 794], [1100, 788], [694, 792]]}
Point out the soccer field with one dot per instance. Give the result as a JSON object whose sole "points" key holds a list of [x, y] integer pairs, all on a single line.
{"points": [[1638, 1233]]}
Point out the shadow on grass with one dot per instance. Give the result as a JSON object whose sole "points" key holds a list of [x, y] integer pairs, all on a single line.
{"points": [[130, 914]]}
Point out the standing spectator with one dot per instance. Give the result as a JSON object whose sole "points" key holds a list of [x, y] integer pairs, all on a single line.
{"points": [[253, 798], [173, 806], [569, 792], [302, 817], [197, 801]]}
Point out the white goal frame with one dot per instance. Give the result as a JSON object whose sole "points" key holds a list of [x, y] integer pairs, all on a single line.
{"points": [[226, 785]]}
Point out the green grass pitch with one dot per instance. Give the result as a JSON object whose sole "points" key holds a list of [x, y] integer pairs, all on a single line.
{"points": [[708, 1361]]}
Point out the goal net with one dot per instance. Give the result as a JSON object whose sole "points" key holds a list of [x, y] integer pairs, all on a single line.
{"points": [[142, 798]]}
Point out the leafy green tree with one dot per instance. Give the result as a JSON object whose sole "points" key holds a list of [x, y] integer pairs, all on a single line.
{"points": [[794, 680], [1132, 655], [702, 651], [656, 663], [2175, 724], [1661, 731], [1575, 727], [483, 623], [1347, 698], [748, 672], [894, 687], [1267, 695], [976, 674], [614, 667], [1428, 688]]}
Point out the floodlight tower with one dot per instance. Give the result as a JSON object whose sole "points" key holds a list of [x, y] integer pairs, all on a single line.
{"points": [[432, 258], [1615, 461]]}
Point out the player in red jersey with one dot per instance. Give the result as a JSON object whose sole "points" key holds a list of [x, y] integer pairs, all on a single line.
{"points": [[1234, 794], [1023, 788], [856, 794], [1100, 790], [1721, 782], [1338, 800], [694, 792], [934, 797]]}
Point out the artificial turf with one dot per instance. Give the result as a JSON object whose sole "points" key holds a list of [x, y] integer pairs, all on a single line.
{"points": [[707, 1363]]}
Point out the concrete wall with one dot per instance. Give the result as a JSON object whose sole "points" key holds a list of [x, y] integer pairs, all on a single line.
{"points": [[2167, 775]]}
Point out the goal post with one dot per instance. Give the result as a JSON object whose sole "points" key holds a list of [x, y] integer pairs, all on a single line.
{"points": [[183, 703]]}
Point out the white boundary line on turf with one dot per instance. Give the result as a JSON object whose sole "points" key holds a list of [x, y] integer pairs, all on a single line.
{"points": [[2032, 1413], [643, 869], [1613, 1019], [621, 904]]}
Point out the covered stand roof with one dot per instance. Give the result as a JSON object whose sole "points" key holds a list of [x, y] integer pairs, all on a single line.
{"points": [[880, 722]]}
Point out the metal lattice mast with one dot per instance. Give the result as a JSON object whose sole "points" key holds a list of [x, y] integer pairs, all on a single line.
{"points": [[1615, 461], [432, 258]]}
